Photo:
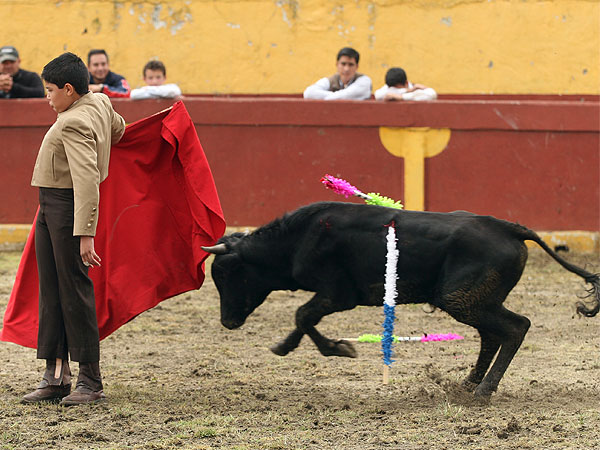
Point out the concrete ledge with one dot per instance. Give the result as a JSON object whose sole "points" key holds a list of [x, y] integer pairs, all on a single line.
{"points": [[13, 237], [572, 241]]}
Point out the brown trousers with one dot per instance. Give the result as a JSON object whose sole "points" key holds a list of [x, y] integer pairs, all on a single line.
{"points": [[67, 307]]}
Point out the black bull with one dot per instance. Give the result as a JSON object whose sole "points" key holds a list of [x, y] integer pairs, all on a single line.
{"points": [[459, 262]]}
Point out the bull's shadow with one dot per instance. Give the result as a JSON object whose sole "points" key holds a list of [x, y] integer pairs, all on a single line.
{"points": [[459, 262]]}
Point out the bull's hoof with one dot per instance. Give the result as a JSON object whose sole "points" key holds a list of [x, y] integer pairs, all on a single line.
{"points": [[469, 385], [483, 394], [279, 349], [340, 348]]}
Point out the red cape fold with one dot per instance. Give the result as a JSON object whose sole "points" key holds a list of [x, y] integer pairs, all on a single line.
{"points": [[158, 206]]}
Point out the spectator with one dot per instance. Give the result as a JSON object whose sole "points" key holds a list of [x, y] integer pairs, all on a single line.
{"points": [[102, 79], [397, 87], [14, 81], [155, 75], [346, 84]]}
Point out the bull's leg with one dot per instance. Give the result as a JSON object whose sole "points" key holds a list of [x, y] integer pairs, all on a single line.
{"points": [[498, 327], [489, 347], [473, 294], [511, 328], [293, 339], [288, 344], [309, 315]]}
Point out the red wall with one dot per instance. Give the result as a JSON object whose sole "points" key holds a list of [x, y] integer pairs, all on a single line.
{"points": [[535, 161]]}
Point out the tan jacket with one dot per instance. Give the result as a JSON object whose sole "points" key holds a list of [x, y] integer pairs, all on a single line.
{"points": [[75, 153]]}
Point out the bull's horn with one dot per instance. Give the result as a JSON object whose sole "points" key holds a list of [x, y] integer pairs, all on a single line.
{"points": [[219, 249]]}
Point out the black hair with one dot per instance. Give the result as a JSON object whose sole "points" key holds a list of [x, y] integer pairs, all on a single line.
{"points": [[349, 52], [97, 51], [67, 68], [395, 76], [155, 65]]}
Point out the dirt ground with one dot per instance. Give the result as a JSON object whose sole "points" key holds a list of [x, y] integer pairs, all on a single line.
{"points": [[175, 378]]}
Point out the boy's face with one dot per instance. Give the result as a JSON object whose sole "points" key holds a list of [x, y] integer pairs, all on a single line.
{"points": [[154, 77], [98, 67], [346, 67], [60, 99]]}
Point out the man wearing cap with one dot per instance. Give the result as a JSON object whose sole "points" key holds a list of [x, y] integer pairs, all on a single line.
{"points": [[14, 81]]}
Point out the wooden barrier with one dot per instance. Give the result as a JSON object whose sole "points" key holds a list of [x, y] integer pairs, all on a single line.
{"points": [[532, 161]]}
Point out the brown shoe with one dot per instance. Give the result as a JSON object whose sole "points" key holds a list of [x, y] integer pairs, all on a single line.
{"points": [[82, 395], [47, 394]]}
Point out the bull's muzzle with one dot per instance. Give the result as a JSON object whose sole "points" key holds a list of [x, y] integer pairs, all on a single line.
{"points": [[232, 324]]}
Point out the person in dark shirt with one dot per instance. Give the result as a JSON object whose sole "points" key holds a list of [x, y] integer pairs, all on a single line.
{"points": [[14, 81], [102, 79]]}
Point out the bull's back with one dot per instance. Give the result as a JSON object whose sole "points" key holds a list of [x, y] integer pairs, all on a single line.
{"points": [[353, 237]]}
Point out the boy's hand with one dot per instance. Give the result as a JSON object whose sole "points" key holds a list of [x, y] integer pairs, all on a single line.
{"points": [[416, 87], [391, 96], [86, 250]]}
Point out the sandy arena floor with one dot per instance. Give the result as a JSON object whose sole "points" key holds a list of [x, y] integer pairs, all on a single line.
{"points": [[175, 378]]}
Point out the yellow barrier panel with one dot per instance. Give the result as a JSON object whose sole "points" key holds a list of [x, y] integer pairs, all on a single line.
{"points": [[414, 145]]}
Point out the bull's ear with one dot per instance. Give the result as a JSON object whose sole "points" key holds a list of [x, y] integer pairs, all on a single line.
{"points": [[219, 249]]}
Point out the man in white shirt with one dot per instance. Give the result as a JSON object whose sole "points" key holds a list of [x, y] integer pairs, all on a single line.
{"points": [[397, 87], [346, 84]]}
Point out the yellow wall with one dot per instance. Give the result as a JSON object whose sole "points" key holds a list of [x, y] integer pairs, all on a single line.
{"points": [[281, 46]]}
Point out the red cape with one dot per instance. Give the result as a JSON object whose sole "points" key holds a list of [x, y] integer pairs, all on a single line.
{"points": [[157, 207]]}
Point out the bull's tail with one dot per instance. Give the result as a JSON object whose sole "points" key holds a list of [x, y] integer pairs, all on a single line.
{"points": [[588, 308]]}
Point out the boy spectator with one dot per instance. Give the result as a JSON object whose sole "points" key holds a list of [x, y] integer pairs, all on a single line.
{"points": [[346, 84], [155, 75], [71, 163], [14, 81], [397, 87], [102, 79]]}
